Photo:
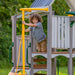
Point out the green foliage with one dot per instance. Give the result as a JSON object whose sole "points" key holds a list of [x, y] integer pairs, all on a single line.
{"points": [[7, 9], [59, 7]]}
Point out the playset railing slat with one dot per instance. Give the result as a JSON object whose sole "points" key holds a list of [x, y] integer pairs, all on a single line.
{"points": [[74, 35], [66, 37], [62, 32], [53, 31], [58, 32], [68, 32]]}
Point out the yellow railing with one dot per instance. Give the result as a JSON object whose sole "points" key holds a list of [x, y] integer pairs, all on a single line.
{"points": [[30, 9]]}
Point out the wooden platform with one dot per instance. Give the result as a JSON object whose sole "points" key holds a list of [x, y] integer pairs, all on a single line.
{"points": [[44, 54], [54, 54], [60, 52], [40, 66], [64, 52], [40, 74], [21, 67], [40, 60], [36, 66], [61, 48], [39, 52], [73, 52]]}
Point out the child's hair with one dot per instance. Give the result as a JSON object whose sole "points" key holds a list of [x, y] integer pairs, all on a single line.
{"points": [[36, 16]]}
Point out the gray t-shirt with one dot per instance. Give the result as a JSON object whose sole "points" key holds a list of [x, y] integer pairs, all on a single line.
{"points": [[37, 32]]}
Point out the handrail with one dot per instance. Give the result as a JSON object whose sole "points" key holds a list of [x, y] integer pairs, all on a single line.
{"points": [[30, 9], [27, 55], [10, 51]]}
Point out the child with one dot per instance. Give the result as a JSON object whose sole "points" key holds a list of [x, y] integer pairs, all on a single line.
{"points": [[37, 31]]}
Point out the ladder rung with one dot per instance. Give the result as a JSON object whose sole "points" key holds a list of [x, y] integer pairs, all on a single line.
{"points": [[40, 60], [60, 52], [40, 74], [39, 52], [21, 67], [40, 66]]}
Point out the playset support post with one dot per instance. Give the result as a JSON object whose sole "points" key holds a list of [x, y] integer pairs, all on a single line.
{"points": [[49, 42]]}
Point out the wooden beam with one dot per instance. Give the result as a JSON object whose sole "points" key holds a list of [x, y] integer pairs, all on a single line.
{"points": [[13, 18], [40, 60], [49, 42], [39, 74], [21, 67], [70, 67], [60, 52], [39, 52], [72, 18], [61, 48], [40, 66], [73, 52], [31, 72]]}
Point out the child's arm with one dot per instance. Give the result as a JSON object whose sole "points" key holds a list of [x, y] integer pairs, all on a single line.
{"points": [[29, 24], [27, 30]]}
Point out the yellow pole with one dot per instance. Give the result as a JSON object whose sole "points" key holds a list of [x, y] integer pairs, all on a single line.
{"points": [[23, 43], [30, 9]]}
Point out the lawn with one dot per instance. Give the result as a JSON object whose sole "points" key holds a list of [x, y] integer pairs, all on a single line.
{"points": [[4, 71], [62, 71]]}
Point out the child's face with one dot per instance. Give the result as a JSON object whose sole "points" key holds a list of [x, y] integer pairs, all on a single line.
{"points": [[34, 20]]}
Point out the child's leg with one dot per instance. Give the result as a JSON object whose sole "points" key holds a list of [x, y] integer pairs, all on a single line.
{"points": [[39, 47], [44, 46]]}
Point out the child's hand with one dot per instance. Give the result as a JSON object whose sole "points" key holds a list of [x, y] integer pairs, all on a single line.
{"points": [[23, 22]]}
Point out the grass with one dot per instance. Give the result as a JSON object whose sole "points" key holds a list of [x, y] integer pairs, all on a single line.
{"points": [[4, 71], [62, 71]]}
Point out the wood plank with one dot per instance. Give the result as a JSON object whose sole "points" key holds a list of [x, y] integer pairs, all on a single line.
{"points": [[21, 67], [49, 42], [39, 52], [40, 60], [68, 32], [58, 32], [52, 53], [70, 67], [66, 36], [40, 66], [40, 74], [31, 72], [53, 31], [61, 48], [73, 36], [62, 32], [73, 52], [72, 18], [13, 18], [12, 73], [60, 52]]}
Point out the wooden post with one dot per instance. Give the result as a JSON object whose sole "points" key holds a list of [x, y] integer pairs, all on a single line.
{"points": [[54, 62], [49, 42], [55, 66], [13, 18], [31, 73], [70, 69]]}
